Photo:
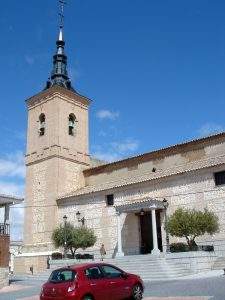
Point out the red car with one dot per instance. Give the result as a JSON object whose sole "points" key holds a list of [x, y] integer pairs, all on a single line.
{"points": [[92, 282]]}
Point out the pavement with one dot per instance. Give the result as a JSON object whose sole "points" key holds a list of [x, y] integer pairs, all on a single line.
{"points": [[202, 286], [201, 275]]}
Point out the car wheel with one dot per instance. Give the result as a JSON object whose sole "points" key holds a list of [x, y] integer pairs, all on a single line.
{"points": [[137, 292], [88, 297]]}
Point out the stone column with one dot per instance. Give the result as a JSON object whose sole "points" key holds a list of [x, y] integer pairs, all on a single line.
{"points": [[155, 250], [6, 217], [119, 236]]}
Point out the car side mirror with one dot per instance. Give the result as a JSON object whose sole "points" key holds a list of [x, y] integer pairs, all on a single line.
{"points": [[124, 275]]}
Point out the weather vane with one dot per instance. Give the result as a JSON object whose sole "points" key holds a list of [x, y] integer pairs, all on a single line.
{"points": [[61, 14]]}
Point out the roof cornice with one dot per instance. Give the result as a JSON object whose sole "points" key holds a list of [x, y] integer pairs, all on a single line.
{"points": [[157, 154], [60, 90]]}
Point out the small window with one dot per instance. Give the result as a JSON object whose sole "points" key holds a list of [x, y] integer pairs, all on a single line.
{"points": [[41, 124], [219, 178], [111, 272], [93, 273], [59, 276], [71, 126], [110, 200]]}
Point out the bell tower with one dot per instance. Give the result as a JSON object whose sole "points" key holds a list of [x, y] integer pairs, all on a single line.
{"points": [[57, 150]]}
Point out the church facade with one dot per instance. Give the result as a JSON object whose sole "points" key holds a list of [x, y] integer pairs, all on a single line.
{"points": [[125, 202]]}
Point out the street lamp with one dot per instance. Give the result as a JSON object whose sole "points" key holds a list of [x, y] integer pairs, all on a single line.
{"points": [[65, 237], [79, 219], [165, 205]]}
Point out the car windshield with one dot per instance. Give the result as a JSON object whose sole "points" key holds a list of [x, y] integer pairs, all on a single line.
{"points": [[59, 276]]}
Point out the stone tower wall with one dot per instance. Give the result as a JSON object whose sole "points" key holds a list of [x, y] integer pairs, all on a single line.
{"points": [[54, 164]]}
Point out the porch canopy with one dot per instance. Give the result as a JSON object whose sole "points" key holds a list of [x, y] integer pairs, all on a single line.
{"points": [[6, 202], [145, 204], [137, 206]]}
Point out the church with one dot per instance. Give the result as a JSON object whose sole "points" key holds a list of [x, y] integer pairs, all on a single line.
{"points": [[125, 202]]}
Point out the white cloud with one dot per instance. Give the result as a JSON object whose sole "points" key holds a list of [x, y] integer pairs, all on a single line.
{"points": [[124, 147], [11, 188], [12, 165], [209, 129], [116, 150], [106, 156], [107, 114]]}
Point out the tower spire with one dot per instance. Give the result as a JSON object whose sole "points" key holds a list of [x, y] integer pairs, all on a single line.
{"points": [[59, 75]]}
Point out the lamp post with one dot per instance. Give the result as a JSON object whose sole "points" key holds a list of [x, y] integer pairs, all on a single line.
{"points": [[166, 204], [79, 219], [65, 237]]}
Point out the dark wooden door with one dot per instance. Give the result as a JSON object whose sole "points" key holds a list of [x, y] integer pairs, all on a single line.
{"points": [[146, 233]]}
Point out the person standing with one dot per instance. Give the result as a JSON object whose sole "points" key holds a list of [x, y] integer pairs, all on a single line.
{"points": [[48, 262], [102, 252]]}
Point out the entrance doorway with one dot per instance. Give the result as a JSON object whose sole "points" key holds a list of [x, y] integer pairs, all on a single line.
{"points": [[146, 232]]}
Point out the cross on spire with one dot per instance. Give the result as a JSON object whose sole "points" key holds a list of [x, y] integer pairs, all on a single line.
{"points": [[62, 4], [59, 75]]}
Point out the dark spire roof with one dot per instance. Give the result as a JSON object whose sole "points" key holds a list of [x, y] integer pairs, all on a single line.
{"points": [[59, 75]]}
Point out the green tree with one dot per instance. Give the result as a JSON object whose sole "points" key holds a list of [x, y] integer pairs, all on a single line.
{"points": [[191, 223], [75, 237]]}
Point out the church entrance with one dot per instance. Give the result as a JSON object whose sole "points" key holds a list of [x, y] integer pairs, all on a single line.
{"points": [[146, 232]]}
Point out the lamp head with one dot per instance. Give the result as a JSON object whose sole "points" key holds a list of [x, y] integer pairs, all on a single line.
{"points": [[78, 215], [142, 212], [165, 203]]}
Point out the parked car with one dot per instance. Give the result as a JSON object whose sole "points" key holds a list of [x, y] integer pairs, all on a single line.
{"points": [[91, 281]]}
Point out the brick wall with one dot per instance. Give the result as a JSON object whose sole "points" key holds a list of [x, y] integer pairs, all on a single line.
{"points": [[4, 251]]}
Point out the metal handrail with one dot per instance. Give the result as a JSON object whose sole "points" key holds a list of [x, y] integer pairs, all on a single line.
{"points": [[4, 229]]}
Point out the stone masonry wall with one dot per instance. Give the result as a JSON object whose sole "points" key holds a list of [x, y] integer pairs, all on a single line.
{"points": [[190, 190]]}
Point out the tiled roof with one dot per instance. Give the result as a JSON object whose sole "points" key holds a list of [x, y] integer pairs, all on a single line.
{"points": [[6, 199], [148, 176], [144, 203]]}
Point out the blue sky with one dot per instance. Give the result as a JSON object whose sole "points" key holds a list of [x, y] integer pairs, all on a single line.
{"points": [[154, 69]]}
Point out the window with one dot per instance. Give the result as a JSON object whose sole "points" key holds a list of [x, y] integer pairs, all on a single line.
{"points": [[41, 124], [58, 276], [71, 127], [111, 272], [93, 273], [219, 178], [110, 200]]}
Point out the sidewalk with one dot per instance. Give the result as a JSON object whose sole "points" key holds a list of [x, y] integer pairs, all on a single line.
{"points": [[208, 274]]}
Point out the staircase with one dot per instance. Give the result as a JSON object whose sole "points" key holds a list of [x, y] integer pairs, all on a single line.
{"points": [[150, 268], [219, 263], [146, 266]]}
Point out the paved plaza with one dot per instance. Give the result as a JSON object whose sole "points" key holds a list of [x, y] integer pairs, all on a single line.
{"points": [[209, 288]]}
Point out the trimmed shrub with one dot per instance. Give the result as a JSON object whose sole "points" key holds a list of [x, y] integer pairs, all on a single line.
{"points": [[57, 255], [84, 256], [179, 247], [208, 248]]}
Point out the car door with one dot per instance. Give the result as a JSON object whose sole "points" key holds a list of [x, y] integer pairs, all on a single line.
{"points": [[118, 285], [97, 283]]}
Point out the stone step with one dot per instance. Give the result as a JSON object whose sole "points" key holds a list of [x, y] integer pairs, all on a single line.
{"points": [[219, 263], [146, 266]]}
